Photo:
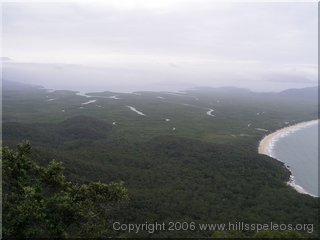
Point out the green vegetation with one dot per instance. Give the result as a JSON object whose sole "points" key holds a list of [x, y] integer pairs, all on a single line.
{"points": [[261, 234], [39, 203], [206, 170]]}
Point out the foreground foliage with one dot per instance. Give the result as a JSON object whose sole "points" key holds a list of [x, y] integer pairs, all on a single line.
{"points": [[39, 202]]}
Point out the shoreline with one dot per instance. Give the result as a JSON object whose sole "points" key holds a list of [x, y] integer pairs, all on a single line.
{"points": [[267, 140]]}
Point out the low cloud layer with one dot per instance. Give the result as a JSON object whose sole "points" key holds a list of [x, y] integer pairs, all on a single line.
{"points": [[261, 46]]}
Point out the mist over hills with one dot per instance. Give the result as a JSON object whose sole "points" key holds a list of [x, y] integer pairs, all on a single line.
{"points": [[179, 86], [6, 84], [309, 92], [226, 89], [174, 83]]}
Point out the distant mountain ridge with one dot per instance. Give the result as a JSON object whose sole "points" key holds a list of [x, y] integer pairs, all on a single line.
{"points": [[305, 93], [308, 92], [12, 84]]}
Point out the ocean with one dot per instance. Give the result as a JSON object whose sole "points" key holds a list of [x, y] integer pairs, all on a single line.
{"points": [[297, 147]]}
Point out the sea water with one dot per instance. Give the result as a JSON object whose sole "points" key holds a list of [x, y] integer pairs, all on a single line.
{"points": [[297, 147]]}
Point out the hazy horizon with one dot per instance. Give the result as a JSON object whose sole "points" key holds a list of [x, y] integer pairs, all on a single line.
{"points": [[126, 46], [156, 87]]}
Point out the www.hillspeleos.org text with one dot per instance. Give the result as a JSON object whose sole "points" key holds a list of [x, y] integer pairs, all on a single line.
{"points": [[185, 226]]}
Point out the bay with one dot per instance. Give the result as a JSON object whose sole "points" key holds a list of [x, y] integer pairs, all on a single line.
{"points": [[298, 149]]}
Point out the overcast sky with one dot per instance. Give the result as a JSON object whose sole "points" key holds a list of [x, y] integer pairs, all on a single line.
{"points": [[127, 45]]}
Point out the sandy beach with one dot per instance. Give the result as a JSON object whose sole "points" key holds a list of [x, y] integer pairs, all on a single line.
{"points": [[263, 149], [264, 142]]}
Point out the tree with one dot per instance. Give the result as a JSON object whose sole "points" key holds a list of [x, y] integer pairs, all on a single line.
{"points": [[228, 234], [278, 234], [39, 202]]}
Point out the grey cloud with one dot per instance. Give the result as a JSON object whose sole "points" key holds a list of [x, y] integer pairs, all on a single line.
{"points": [[282, 78], [80, 77], [5, 59], [238, 31], [174, 65], [217, 43]]}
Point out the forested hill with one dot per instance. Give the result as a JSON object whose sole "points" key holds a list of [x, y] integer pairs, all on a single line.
{"points": [[184, 157], [304, 93], [54, 135]]}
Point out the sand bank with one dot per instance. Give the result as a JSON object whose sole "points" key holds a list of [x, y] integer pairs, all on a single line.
{"points": [[267, 142]]}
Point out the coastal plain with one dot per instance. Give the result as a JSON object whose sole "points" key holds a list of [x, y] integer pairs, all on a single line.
{"points": [[189, 156]]}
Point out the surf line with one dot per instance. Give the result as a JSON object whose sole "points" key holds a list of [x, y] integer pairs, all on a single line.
{"points": [[267, 143]]}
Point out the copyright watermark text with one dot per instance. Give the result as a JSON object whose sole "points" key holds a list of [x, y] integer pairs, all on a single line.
{"points": [[185, 226]]}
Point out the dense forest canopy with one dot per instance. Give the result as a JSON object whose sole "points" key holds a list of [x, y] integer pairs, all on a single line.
{"points": [[39, 203], [179, 163]]}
